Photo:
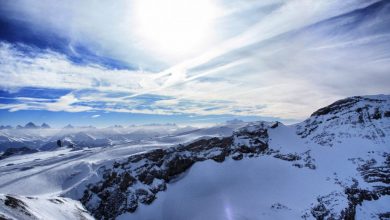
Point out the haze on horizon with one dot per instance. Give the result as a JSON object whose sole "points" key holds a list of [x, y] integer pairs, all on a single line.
{"points": [[187, 62]]}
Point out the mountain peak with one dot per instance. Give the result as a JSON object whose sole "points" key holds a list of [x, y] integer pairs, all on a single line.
{"points": [[367, 116], [348, 103], [5, 127], [69, 126], [30, 125], [44, 125]]}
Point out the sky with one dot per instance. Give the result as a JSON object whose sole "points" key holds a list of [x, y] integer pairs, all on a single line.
{"points": [[187, 61]]}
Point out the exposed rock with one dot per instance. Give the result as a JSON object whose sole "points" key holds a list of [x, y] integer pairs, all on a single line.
{"points": [[372, 173], [139, 178], [359, 114], [17, 151], [15, 203], [288, 157]]}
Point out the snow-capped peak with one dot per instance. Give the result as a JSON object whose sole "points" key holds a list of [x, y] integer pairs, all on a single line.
{"points": [[359, 116]]}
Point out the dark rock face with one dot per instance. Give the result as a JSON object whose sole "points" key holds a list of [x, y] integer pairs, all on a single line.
{"points": [[372, 173], [356, 196], [337, 106], [299, 160], [361, 114], [288, 157], [15, 203], [384, 216], [17, 151], [59, 143], [126, 184], [2, 217], [319, 211], [343, 104]]}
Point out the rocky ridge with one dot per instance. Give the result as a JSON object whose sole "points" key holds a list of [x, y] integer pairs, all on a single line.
{"points": [[360, 116], [126, 184], [122, 186]]}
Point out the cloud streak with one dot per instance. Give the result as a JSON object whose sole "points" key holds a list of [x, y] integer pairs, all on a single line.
{"points": [[301, 55]]}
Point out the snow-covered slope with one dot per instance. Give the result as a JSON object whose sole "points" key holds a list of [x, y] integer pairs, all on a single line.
{"points": [[59, 170], [365, 117], [334, 165], [47, 138], [20, 207]]}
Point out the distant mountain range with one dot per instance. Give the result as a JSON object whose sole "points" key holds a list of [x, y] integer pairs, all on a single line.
{"points": [[29, 125]]}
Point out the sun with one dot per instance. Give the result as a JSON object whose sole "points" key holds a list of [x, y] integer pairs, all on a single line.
{"points": [[174, 28]]}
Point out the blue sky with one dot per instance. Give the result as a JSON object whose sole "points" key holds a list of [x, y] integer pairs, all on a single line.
{"points": [[187, 62]]}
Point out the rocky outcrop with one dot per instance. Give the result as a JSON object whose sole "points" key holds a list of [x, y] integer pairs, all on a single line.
{"points": [[17, 151], [354, 195], [137, 180], [14, 207], [359, 116]]}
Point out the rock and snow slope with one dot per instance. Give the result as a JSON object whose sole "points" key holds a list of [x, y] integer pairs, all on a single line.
{"points": [[19, 207], [79, 137], [365, 117], [334, 165]]}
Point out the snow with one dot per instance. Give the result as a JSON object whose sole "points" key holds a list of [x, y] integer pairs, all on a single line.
{"points": [[262, 187], [250, 188], [243, 189], [60, 170], [370, 209], [43, 208]]}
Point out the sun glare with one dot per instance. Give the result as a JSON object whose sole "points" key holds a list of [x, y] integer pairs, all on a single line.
{"points": [[175, 28]]}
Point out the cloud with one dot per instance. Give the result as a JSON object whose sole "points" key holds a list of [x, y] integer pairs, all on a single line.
{"points": [[113, 29], [300, 56], [95, 116], [48, 69]]}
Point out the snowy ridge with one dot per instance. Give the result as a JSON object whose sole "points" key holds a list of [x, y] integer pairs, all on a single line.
{"points": [[334, 165], [121, 187], [81, 137], [365, 117], [19, 207]]}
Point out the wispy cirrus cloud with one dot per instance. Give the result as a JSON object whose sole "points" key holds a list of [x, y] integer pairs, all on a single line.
{"points": [[295, 57]]}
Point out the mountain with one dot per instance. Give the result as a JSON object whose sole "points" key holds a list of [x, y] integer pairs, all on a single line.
{"points": [[366, 117], [116, 126], [17, 151], [340, 183], [44, 125], [69, 126], [81, 137], [76, 140], [21, 207], [31, 125], [333, 165], [159, 167]]}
